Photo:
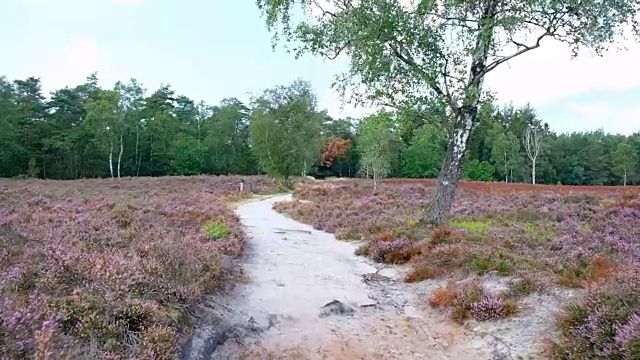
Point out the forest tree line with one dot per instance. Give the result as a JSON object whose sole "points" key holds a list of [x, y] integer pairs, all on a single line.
{"points": [[87, 131]]}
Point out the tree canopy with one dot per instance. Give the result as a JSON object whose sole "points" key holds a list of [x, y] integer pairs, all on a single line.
{"points": [[69, 136], [410, 54], [285, 129]]}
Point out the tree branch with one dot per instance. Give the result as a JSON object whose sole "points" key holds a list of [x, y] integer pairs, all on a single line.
{"points": [[324, 12], [549, 30], [408, 60], [525, 48], [338, 52]]}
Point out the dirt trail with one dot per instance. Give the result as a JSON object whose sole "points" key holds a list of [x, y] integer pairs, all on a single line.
{"points": [[294, 271]]}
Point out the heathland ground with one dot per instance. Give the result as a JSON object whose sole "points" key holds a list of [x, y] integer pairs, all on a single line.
{"points": [[121, 268]]}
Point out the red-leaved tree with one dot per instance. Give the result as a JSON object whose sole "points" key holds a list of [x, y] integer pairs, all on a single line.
{"points": [[333, 150]]}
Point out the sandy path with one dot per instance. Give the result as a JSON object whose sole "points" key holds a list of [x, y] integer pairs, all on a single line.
{"points": [[293, 272]]}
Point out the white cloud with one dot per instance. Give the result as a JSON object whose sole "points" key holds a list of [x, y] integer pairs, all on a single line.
{"points": [[591, 111], [593, 116], [633, 114], [79, 57], [548, 74], [337, 108]]}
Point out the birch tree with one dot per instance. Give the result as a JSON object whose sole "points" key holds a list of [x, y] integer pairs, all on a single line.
{"points": [[130, 102], [103, 115], [285, 129], [410, 53], [505, 153], [532, 141], [375, 143], [625, 161]]}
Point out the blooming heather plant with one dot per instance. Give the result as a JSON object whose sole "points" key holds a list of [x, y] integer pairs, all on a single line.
{"points": [[605, 324], [492, 307], [353, 211], [469, 300], [398, 251], [585, 237], [569, 237], [108, 269]]}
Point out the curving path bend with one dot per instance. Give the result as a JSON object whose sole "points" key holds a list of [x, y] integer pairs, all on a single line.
{"points": [[293, 272]]}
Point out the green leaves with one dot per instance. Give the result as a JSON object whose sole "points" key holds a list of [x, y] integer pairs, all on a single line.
{"points": [[625, 162], [405, 53], [186, 156], [376, 143], [505, 152], [475, 170], [423, 157], [285, 129]]}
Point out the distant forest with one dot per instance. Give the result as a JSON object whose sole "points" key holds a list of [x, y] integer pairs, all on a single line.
{"points": [[87, 132]]}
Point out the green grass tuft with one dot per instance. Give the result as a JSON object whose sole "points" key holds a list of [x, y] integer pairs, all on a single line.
{"points": [[474, 226], [214, 230]]}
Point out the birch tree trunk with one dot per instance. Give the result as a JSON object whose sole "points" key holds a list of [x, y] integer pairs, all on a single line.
{"points": [[138, 157], [450, 173], [465, 118], [533, 172], [375, 184], [506, 168], [111, 159], [120, 154]]}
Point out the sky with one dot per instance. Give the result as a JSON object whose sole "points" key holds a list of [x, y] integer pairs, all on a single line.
{"points": [[211, 50]]}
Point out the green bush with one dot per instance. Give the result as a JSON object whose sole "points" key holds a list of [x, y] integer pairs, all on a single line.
{"points": [[476, 170]]}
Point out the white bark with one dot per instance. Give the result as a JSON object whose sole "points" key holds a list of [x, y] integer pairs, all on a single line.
{"points": [[533, 171], [532, 144], [460, 141], [111, 159], [138, 157], [506, 168], [375, 185], [120, 155]]}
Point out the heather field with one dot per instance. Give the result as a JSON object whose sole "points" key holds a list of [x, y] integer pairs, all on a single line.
{"points": [[111, 269], [536, 237]]}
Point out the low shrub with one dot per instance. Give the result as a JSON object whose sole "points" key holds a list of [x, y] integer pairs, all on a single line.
{"points": [[469, 300], [561, 235], [492, 307], [421, 272], [103, 269], [605, 324], [398, 251]]}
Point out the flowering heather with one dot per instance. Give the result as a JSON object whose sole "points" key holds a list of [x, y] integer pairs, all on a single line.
{"points": [[605, 324], [352, 210], [552, 231], [109, 268], [397, 251], [585, 237], [469, 300], [490, 307]]}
